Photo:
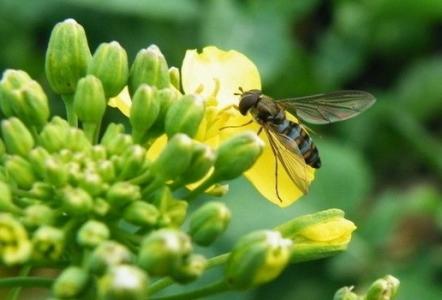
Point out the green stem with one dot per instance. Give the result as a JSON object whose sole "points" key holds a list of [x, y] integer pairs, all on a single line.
{"points": [[70, 112], [24, 281], [166, 282], [15, 293], [90, 130], [211, 289]]}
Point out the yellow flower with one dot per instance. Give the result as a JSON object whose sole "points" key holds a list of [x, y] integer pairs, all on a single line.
{"points": [[216, 75]]}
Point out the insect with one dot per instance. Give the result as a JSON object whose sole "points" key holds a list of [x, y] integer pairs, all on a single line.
{"points": [[289, 141]]}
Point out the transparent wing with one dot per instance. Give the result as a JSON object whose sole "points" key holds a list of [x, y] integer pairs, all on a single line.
{"points": [[328, 107], [287, 153]]}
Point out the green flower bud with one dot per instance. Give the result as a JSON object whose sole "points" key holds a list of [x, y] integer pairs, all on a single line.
{"points": [[134, 161], [15, 246], [185, 116], [174, 76], [48, 243], [67, 56], [218, 190], [37, 215], [11, 81], [71, 283], [35, 104], [191, 269], [110, 65], [56, 172], [165, 98], [257, 258], [77, 140], [208, 222], [144, 111], [203, 158], [111, 132], [20, 170], [42, 190], [345, 293], [318, 235], [92, 234], [107, 255], [174, 210], [118, 144], [89, 100], [6, 204], [163, 251], [92, 183], [383, 289], [54, 135], [106, 170], [101, 207], [98, 152], [17, 138], [149, 67], [76, 201], [236, 155], [122, 193], [142, 214], [175, 157], [37, 158], [123, 282]]}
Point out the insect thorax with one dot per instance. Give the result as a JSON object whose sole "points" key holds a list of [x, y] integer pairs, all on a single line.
{"points": [[268, 111]]}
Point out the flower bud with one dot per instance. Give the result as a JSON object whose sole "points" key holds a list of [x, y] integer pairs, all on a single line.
{"points": [[123, 282], [345, 293], [318, 235], [208, 222], [101, 207], [191, 269], [203, 158], [92, 234], [92, 183], [175, 157], [163, 250], [122, 193], [89, 100], [106, 170], [257, 258], [144, 111], [15, 246], [134, 161], [218, 190], [56, 172], [236, 155], [112, 131], [110, 65], [142, 214], [20, 170], [149, 67], [17, 138], [70, 283], [176, 212], [119, 144], [67, 56], [6, 204], [106, 255], [48, 243], [38, 214], [174, 76], [37, 157], [185, 116], [11, 81], [42, 190], [76, 201], [165, 98], [383, 289], [54, 135], [77, 140]]}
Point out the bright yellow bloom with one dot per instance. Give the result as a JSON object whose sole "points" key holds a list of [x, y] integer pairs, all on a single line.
{"points": [[216, 75]]}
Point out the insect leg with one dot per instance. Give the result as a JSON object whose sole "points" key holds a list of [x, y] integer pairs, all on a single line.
{"points": [[237, 126], [259, 131]]}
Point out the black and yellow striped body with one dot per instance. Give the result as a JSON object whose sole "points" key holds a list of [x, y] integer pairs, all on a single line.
{"points": [[267, 112]]}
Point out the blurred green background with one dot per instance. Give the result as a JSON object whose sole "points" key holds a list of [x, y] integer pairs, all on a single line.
{"points": [[384, 168]]}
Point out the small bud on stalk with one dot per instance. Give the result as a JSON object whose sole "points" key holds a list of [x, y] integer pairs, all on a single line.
{"points": [[71, 283], [184, 116]]}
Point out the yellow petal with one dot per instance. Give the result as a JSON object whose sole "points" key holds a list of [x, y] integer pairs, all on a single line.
{"points": [[336, 231], [227, 69], [122, 102]]}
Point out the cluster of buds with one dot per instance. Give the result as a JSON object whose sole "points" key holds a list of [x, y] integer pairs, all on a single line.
{"points": [[88, 199], [385, 288]]}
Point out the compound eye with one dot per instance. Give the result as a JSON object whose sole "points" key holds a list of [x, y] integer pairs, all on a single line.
{"points": [[246, 102]]}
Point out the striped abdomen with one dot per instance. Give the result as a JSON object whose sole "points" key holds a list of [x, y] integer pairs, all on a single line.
{"points": [[305, 144]]}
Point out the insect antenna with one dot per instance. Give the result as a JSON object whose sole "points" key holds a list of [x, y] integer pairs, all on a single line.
{"points": [[241, 91]]}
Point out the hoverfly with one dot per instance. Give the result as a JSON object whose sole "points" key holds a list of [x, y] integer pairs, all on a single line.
{"points": [[289, 141]]}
